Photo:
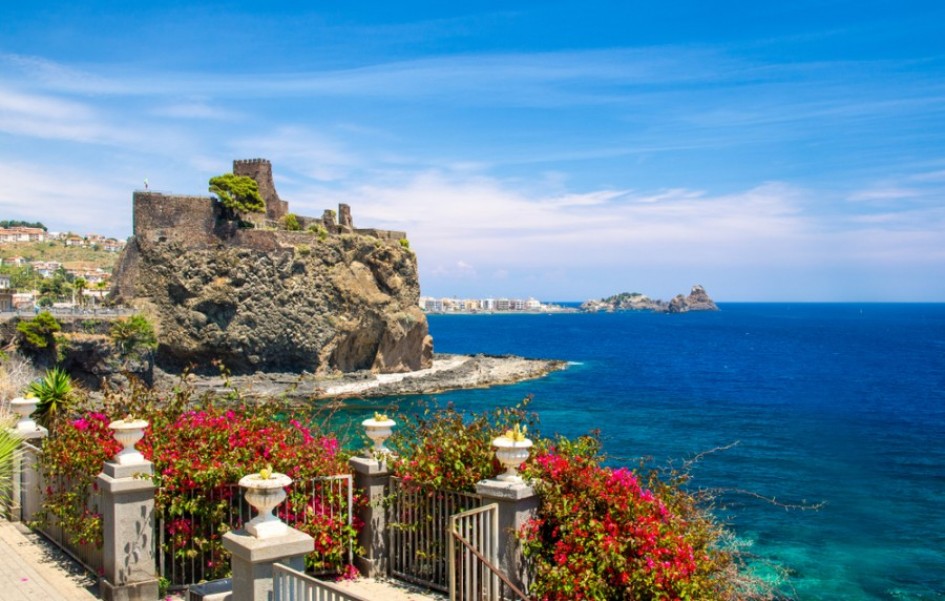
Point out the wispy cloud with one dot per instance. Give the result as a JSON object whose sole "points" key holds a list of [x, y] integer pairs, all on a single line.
{"points": [[300, 149], [43, 116], [197, 110], [97, 202]]}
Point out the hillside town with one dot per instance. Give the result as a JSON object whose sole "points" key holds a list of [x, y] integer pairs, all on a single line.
{"points": [[30, 281]]}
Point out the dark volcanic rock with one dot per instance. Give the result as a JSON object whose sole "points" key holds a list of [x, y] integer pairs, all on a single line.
{"points": [[278, 301]]}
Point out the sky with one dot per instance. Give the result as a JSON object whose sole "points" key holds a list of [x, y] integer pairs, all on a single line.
{"points": [[790, 151]]}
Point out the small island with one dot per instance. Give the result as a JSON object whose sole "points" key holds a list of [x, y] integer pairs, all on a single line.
{"points": [[698, 300]]}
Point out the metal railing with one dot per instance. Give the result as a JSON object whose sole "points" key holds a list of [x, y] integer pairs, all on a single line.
{"points": [[190, 543], [418, 522], [31, 502], [474, 547], [292, 585]]}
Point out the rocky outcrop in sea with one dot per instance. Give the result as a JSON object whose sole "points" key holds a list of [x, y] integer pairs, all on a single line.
{"points": [[698, 300]]}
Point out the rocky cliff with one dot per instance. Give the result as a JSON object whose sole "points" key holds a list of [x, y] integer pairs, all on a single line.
{"points": [[277, 301], [698, 300]]}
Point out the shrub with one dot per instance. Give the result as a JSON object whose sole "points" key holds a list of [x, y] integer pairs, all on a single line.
{"points": [[199, 453], [291, 222], [405, 244], [16, 373], [603, 533], [319, 230], [37, 334], [450, 449], [133, 336], [72, 458]]}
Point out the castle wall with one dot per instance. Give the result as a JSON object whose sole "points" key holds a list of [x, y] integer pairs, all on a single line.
{"points": [[185, 218], [386, 235], [195, 221]]}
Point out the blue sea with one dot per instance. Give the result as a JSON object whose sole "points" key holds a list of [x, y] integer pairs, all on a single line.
{"points": [[841, 404]]}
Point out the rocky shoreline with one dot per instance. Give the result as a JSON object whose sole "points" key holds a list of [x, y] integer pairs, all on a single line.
{"points": [[449, 372]]}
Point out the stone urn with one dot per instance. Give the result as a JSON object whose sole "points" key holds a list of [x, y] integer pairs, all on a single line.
{"points": [[379, 430], [128, 432], [265, 491], [511, 451], [25, 407]]}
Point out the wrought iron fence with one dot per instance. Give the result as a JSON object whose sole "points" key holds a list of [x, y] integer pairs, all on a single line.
{"points": [[32, 488], [191, 535], [418, 521]]}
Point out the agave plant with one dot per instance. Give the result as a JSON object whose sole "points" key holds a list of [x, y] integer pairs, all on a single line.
{"points": [[55, 394]]}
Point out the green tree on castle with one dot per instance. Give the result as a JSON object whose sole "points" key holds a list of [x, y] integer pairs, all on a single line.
{"points": [[238, 193]]}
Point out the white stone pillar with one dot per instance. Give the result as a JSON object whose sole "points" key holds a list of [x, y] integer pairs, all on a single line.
{"points": [[372, 478], [517, 502], [130, 569], [252, 560], [264, 540]]}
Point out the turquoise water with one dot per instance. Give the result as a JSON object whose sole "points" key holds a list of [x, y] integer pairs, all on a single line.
{"points": [[836, 403]]}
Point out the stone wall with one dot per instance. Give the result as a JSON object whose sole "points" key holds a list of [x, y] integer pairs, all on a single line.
{"points": [[189, 218]]}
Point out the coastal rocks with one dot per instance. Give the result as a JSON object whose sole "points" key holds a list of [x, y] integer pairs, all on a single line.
{"points": [[278, 301], [698, 300], [446, 372]]}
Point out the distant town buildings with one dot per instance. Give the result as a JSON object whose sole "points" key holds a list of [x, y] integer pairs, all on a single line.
{"points": [[96, 280], [13, 235], [485, 305]]}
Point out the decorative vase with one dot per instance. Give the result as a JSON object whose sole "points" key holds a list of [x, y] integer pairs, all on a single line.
{"points": [[378, 432], [25, 407], [265, 494], [511, 454], [128, 433]]}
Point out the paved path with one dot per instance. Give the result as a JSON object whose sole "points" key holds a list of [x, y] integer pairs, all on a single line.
{"points": [[32, 569]]}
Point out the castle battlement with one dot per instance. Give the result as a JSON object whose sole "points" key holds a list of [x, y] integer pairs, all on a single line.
{"points": [[199, 220]]}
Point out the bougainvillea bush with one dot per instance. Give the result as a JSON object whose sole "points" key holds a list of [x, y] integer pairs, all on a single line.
{"points": [[448, 449], [72, 459], [603, 533], [200, 450], [600, 533]]}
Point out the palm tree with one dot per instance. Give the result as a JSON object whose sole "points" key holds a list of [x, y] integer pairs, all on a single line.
{"points": [[55, 394], [78, 286]]}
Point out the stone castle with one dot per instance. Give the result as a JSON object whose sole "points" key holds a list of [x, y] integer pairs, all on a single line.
{"points": [[324, 299], [198, 220]]}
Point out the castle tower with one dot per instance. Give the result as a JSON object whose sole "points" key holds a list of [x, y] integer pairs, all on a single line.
{"points": [[261, 171]]}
